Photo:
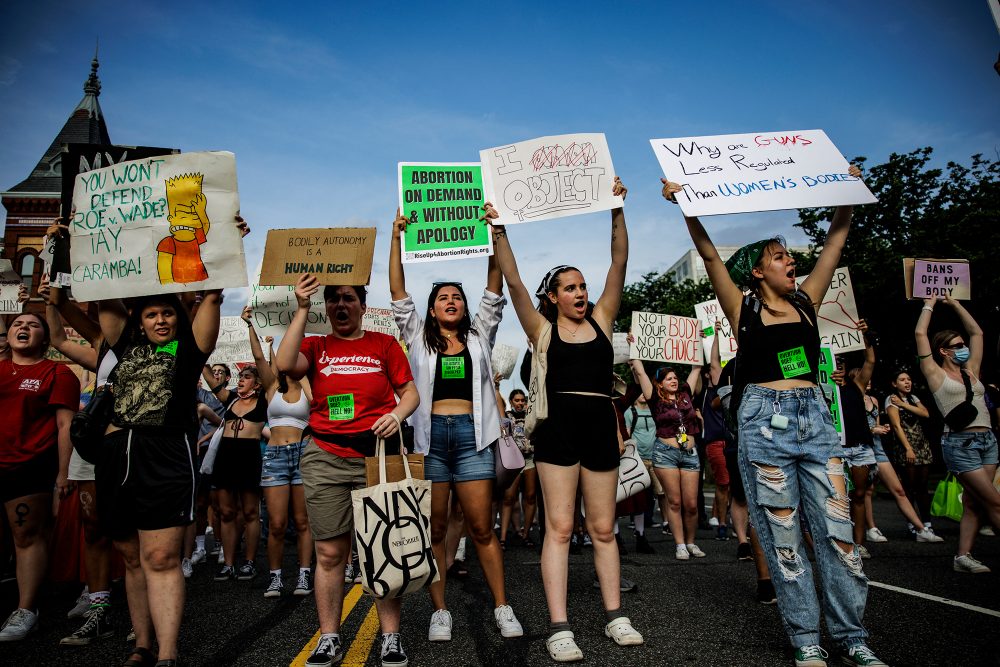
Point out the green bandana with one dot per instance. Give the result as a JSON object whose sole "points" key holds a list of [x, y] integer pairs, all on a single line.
{"points": [[740, 265]]}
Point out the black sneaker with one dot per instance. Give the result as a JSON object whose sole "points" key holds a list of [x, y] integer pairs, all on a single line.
{"points": [[765, 592], [247, 571], [622, 551], [721, 534], [743, 551], [96, 626], [392, 651], [226, 573], [304, 586], [625, 585], [643, 546], [328, 651]]}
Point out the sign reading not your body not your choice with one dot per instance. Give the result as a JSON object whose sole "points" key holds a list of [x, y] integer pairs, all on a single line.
{"points": [[444, 204], [765, 171], [666, 338], [155, 226]]}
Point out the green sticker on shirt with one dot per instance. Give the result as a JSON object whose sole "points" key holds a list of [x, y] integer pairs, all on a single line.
{"points": [[453, 368], [170, 348], [793, 362], [341, 406]]}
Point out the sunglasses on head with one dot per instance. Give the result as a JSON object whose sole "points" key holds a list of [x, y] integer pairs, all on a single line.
{"points": [[442, 283]]}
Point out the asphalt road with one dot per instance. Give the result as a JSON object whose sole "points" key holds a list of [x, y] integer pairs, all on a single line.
{"points": [[698, 612]]}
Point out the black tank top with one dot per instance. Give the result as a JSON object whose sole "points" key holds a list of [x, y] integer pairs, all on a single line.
{"points": [[856, 429], [258, 415], [580, 367], [778, 351], [453, 376]]}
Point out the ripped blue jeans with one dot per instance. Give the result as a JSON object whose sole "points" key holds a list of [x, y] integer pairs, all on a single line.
{"points": [[789, 470]]}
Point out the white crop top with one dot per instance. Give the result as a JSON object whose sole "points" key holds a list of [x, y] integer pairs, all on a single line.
{"points": [[282, 413]]}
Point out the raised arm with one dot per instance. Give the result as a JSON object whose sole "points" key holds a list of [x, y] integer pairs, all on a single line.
{"points": [[267, 377], [694, 379], [864, 376], [531, 320], [974, 333], [494, 276], [220, 390], [397, 279], [819, 278], [86, 356], [715, 358], [726, 290], [606, 308], [290, 360], [929, 367], [640, 377]]}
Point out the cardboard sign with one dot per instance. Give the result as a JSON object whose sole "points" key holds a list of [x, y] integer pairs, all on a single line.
{"points": [[619, 342], [831, 391], [838, 315], [378, 319], [764, 171], [52, 354], [443, 202], [666, 338], [156, 226], [10, 285], [233, 344], [550, 177], [336, 256], [707, 313], [926, 278], [504, 359]]}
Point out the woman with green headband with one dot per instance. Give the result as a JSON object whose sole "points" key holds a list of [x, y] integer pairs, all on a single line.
{"points": [[790, 454]]}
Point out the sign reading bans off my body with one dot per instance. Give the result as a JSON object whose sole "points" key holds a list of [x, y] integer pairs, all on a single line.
{"points": [[337, 256]]}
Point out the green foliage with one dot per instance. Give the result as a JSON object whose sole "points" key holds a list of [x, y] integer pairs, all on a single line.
{"points": [[660, 293]]}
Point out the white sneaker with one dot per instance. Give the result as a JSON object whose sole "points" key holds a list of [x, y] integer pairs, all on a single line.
{"points": [[198, 556], [562, 647], [460, 553], [222, 557], [927, 535], [695, 551], [507, 622], [875, 535], [18, 625], [275, 587], [714, 522], [622, 632], [863, 550], [440, 630], [186, 568], [681, 552], [82, 606], [987, 531], [969, 564]]}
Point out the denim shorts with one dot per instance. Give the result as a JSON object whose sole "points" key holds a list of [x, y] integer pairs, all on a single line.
{"points": [[453, 456], [880, 456], [281, 465], [665, 456], [968, 451], [859, 455]]}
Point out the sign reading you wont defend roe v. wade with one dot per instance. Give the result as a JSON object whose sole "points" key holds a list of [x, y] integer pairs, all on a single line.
{"points": [[766, 171], [157, 225], [550, 177]]}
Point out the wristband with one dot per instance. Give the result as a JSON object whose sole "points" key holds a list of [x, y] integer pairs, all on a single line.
{"points": [[928, 309]]}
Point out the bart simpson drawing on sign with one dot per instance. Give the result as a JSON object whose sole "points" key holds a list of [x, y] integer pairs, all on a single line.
{"points": [[178, 258]]}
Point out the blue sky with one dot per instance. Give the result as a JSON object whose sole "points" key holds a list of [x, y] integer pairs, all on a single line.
{"points": [[321, 101]]}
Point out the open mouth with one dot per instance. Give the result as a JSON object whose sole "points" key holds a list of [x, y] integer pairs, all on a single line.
{"points": [[791, 273], [341, 316], [450, 310], [23, 337]]}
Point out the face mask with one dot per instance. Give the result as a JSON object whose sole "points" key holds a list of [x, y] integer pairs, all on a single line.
{"points": [[961, 355]]}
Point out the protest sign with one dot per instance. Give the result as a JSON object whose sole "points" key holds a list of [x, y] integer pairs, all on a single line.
{"points": [[378, 319], [52, 354], [619, 343], [80, 158], [827, 365], [707, 314], [769, 171], [927, 278], [335, 256], [838, 315], [443, 202], [10, 286], [549, 177], [504, 359], [666, 338], [156, 226], [233, 344]]}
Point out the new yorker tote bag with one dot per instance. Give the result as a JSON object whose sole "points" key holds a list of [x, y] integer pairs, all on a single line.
{"points": [[392, 526]]}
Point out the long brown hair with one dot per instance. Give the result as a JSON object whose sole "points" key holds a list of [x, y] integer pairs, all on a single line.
{"points": [[940, 340], [432, 332]]}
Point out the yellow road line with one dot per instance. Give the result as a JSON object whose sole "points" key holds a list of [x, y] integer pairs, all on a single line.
{"points": [[357, 655], [350, 601]]}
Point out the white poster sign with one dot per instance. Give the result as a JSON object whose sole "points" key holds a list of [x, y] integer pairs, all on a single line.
{"points": [[619, 341], [765, 171], [233, 344], [708, 313], [666, 338], [549, 177], [10, 284], [838, 315], [378, 319], [156, 226], [504, 360]]}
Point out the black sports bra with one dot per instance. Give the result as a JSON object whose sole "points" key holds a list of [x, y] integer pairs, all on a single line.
{"points": [[580, 367], [453, 376], [258, 415]]}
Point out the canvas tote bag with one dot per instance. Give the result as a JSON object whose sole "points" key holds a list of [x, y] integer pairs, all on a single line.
{"points": [[392, 526], [538, 403]]}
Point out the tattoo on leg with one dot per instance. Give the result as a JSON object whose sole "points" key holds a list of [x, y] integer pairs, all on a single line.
{"points": [[22, 510]]}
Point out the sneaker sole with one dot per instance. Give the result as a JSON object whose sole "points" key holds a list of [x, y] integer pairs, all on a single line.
{"points": [[84, 641], [272, 594], [508, 634], [398, 663], [245, 578], [302, 591], [439, 639], [34, 628]]}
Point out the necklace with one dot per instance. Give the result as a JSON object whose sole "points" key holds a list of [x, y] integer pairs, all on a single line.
{"points": [[573, 332]]}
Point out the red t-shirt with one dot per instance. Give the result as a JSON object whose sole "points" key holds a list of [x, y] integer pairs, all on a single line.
{"points": [[29, 398], [352, 384]]}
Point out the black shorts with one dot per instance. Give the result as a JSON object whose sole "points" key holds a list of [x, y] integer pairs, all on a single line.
{"points": [[31, 478], [736, 490], [580, 429], [237, 465], [145, 481]]}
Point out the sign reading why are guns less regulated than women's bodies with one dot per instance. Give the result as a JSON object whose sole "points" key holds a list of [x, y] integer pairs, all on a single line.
{"points": [[666, 338], [550, 177], [768, 171], [444, 204], [157, 225], [338, 256]]}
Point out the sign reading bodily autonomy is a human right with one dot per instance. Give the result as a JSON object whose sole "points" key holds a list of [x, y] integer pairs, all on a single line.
{"points": [[763, 171], [157, 225], [336, 256], [444, 204], [550, 177]]}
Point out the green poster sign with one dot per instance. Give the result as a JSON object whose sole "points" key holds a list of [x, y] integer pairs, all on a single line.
{"points": [[827, 365], [444, 203]]}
